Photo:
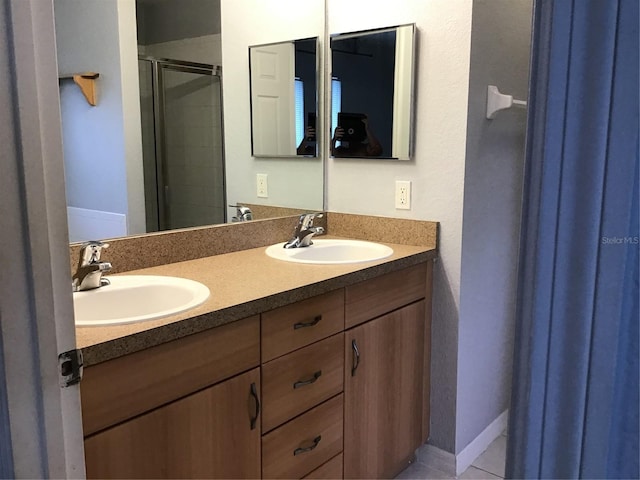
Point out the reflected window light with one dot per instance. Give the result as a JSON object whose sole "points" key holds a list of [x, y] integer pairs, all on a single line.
{"points": [[299, 106], [336, 102]]}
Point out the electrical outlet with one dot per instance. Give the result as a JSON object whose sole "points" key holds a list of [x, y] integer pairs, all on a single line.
{"points": [[262, 185], [403, 195]]}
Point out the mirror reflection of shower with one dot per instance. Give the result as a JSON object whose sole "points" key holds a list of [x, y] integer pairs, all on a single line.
{"points": [[183, 152]]}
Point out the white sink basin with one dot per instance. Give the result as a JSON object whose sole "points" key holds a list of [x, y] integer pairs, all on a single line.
{"points": [[331, 252], [136, 298]]}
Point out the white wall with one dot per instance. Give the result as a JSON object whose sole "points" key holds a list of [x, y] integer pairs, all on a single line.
{"points": [[436, 172], [102, 144], [500, 45], [293, 182], [131, 123]]}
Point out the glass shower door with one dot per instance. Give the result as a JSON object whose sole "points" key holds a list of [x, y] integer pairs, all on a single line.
{"points": [[193, 166], [149, 160], [183, 153]]}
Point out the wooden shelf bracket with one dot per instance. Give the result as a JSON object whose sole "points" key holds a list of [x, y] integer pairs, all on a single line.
{"points": [[87, 83]]}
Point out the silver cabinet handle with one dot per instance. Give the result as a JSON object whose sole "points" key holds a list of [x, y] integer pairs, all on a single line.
{"points": [[302, 383], [307, 324], [253, 393], [356, 357], [300, 450]]}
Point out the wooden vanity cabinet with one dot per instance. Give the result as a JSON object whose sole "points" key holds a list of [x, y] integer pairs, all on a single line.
{"points": [[214, 433], [291, 327], [386, 386], [295, 383], [302, 384], [188, 408], [383, 393], [384, 414], [305, 443], [331, 469], [342, 381]]}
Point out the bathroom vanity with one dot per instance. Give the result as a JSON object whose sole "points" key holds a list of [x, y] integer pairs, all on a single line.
{"points": [[325, 376]]}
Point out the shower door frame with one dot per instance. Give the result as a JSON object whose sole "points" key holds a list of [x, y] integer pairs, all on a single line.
{"points": [[157, 87]]}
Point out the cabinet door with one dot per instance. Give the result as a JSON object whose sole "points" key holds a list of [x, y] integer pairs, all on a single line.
{"points": [[214, 433], [384, 361]]}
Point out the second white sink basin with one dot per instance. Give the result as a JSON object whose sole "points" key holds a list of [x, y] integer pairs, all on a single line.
{"points": [[136, 298], [331, 252]]}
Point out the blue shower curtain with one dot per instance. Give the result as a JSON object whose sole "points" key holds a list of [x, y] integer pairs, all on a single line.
{"points": [[574, 411]]}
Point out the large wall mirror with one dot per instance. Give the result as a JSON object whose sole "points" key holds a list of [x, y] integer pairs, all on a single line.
{"points": [[372, 93], [165, 145], [284, 98]]}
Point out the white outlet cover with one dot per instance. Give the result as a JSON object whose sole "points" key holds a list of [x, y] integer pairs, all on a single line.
{"points": [[262, 186], [403, 195]]}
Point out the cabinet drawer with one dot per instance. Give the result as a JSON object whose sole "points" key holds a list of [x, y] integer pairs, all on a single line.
{"points": [[300, 380], [305, 443], [127, 386], [294, 326], [331, 470], [375, 297]]}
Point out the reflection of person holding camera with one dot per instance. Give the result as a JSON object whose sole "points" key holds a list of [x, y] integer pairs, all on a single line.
{"points": [[308, 144], [369, 147]]}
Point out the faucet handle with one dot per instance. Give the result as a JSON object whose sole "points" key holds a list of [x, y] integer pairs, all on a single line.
{"points": [[306, 219], [91, 251], [243, 213]]}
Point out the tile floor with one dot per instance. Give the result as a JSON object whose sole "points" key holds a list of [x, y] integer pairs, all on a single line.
{"points": [[488, 466]]}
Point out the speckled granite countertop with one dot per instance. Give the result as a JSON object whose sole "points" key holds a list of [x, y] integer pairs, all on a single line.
{"points": [[242, 284]]}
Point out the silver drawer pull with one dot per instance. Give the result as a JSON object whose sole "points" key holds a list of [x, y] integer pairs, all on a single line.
{"points": [[302, 383], [307, 324], [253, 393], [300, 450], [356, 357]]}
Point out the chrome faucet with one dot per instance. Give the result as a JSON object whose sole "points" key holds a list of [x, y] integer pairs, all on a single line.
{"points": [[304, 231], [90, 269], [243, 214]]}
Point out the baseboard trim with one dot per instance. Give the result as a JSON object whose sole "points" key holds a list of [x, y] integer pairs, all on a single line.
{"points": [[479, 444], [438, 459]]}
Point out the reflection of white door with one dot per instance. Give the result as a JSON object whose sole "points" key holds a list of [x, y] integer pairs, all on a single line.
{"points": [[272, 99], [402, 99]]}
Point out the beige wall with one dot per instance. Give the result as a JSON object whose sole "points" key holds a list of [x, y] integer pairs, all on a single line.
{"points": [[436, 172]]}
